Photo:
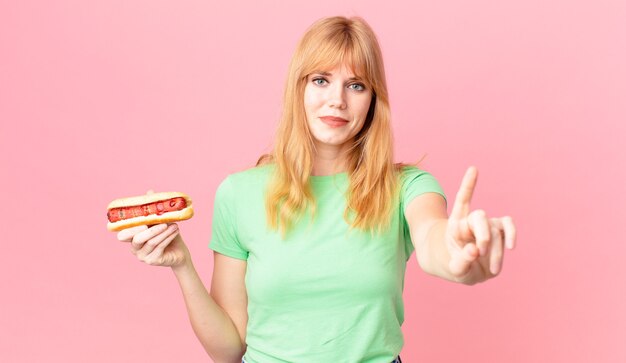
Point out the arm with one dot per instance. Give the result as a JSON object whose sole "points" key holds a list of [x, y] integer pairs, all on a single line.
{"points": [[427, 219], [466, 247], [218, 320]]}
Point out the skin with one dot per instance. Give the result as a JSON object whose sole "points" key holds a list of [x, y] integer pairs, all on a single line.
{"points": [[335, 92], [466, 247]]}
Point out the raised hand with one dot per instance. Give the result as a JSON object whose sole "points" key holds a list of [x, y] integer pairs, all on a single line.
{"points": [[474, 240]]}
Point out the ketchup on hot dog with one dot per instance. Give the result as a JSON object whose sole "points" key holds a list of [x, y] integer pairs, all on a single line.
{"points": [[158, 208]]}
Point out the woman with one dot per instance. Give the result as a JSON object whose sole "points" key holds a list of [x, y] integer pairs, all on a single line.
{"points": [[310, 246]]}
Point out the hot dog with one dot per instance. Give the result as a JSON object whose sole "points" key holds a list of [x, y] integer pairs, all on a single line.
{"points": [[148, 209]]}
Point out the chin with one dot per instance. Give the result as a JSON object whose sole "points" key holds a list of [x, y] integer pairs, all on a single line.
{"points": [[335, 141], [330, 137]]}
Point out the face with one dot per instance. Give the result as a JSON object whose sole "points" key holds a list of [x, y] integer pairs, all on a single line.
{"points": [[336, 104]]}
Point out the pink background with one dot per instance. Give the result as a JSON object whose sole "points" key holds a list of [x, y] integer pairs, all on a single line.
{"points": [[103, 99]]}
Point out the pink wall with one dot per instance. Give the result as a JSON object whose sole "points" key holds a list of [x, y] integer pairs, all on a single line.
{"points": [[101, 99]]}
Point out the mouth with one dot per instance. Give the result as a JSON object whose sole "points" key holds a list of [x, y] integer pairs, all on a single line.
{"points": [[333, 121]]}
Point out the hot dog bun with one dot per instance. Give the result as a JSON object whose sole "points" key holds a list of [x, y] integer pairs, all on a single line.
{"points": [[151, 219]]}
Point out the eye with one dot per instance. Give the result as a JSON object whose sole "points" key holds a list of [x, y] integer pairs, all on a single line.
{"points": [[357, 86], [319, 81]]}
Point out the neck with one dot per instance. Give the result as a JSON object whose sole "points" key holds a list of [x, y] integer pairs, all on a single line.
{"points": [[329, 159]]}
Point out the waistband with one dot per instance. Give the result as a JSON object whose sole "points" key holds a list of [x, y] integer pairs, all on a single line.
{"points": [[397, 360]]}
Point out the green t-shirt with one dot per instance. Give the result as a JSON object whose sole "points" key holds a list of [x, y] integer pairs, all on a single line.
{"points": [[323, 294]]}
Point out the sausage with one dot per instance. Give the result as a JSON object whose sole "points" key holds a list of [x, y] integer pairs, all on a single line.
{"points": [[158, 208]]}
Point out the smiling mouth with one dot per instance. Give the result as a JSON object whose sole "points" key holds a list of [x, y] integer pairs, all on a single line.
{"points": [[334, 121]]}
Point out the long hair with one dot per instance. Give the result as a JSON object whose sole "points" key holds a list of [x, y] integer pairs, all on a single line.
{"points": [[373, 176]]}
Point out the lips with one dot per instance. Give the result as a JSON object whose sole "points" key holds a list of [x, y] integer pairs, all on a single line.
{"points": [[333, 121]]}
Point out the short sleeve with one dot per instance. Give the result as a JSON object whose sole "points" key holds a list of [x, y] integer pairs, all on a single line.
{"points": [[414, 183], [224, 237]]}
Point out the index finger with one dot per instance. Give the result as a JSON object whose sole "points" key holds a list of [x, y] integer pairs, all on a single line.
{"points": [[126, 235], [461, 206]]}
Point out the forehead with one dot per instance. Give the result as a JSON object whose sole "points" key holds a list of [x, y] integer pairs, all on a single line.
{"points": [[337, 70]]}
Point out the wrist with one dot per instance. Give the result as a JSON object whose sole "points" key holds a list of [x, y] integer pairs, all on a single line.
{"points": [[184, 267]]}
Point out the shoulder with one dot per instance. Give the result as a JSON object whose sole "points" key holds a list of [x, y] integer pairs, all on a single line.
{"points": [[244, 180], [255, 172], [410, 173], [415, 181], [254, 175]]}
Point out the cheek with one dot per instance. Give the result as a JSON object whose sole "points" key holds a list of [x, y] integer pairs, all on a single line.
{"points": [[311, 100], [363, 106]]}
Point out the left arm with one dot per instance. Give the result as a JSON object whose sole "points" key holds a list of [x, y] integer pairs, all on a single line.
{"points": [[466, 247]]}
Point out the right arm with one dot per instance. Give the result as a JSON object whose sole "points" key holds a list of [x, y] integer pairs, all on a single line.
{"points": [[219, 319]]}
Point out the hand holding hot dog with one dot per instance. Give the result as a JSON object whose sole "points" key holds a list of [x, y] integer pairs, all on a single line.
{"points": [[159, 245], [145, 222]]}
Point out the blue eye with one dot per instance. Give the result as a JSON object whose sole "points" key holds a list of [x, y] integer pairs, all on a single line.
{"points": [[357, 87], [319, 81]]}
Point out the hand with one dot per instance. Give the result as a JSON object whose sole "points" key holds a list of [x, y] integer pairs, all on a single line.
{"points": [[472, 239], [159, 245]]}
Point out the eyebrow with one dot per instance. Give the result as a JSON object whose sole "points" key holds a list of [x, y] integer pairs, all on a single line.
{"points": [[330, 74]]}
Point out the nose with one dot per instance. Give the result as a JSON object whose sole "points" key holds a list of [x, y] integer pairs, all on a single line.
{"points": [[337, 97]]}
